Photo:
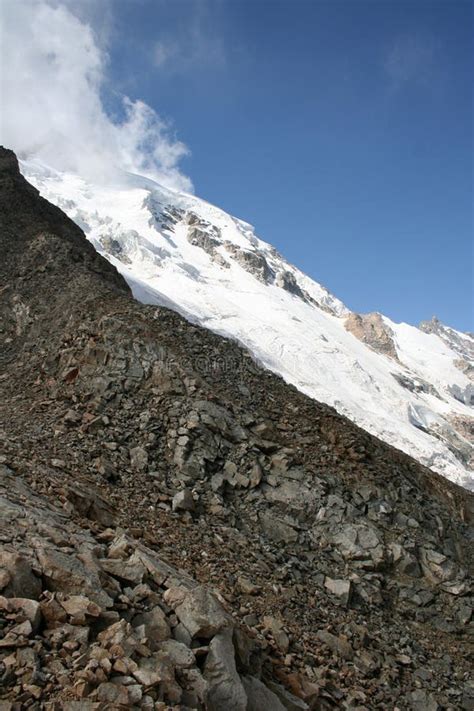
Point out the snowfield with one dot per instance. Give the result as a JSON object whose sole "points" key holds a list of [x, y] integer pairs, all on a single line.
{"points": [[181, 252]]}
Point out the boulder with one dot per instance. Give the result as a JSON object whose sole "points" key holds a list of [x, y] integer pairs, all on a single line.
{"points": [[179, 654], [25, 608], [90, 504], [79, 607], [342, 589], [276, 529], [259, 696], [17, 577], [289, 700], [69, 574], [156, 625], [360, 542], [154, 670], [201, 613], [437, 567], [226, 690], [183, 501]]}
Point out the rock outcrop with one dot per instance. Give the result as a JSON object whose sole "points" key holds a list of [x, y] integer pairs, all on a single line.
{"points": [[371, 330]]}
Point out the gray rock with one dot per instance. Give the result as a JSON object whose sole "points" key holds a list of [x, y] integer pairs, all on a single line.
{"points": [[436, 566], [421, 700], [17, 577], [156, 625], [69, 574], [342, 589], [360, 542], [338, 645], [226, 690], [183, 501], [289, 700], [179, 654], [259, 696], [131, 570], [138, 459], [154, 670], [276, 529], [201, 613], [90, 504]]}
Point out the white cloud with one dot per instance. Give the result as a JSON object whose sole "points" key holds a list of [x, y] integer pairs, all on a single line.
{"points": [[52, 79], [410, 60]]}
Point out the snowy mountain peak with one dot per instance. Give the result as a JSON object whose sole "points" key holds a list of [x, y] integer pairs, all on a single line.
{"points": [[462, 343], [411, 387]]}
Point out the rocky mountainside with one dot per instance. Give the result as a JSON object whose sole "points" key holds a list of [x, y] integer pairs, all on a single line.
{"points": [[180, 528], [411, 387]]}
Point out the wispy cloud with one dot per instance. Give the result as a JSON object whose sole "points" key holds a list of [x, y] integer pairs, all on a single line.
{"points": [[193, 44], [53, 78], [411, 60]]}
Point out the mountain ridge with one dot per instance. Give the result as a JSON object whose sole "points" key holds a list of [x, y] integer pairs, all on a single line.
{"points": [[411, 387]]}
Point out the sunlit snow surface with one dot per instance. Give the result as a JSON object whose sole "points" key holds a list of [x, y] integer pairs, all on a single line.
{"points": [[306, 343]]}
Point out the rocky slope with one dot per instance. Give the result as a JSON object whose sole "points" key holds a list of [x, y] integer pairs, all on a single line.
{"points": [[411, 387], [179, 528]]}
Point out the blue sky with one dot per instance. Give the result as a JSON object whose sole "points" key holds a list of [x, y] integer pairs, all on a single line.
{"points": [[341, 129]]}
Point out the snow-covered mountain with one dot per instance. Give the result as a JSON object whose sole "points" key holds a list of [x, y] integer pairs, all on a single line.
{"points": [[411, 387]]}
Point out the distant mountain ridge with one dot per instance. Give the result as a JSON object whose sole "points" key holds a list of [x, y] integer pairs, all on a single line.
{"points": [[411, 387]]}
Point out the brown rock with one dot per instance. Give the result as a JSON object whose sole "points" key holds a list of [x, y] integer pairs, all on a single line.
{"points": [[79, 607], [279, 635], [246, 587]]}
